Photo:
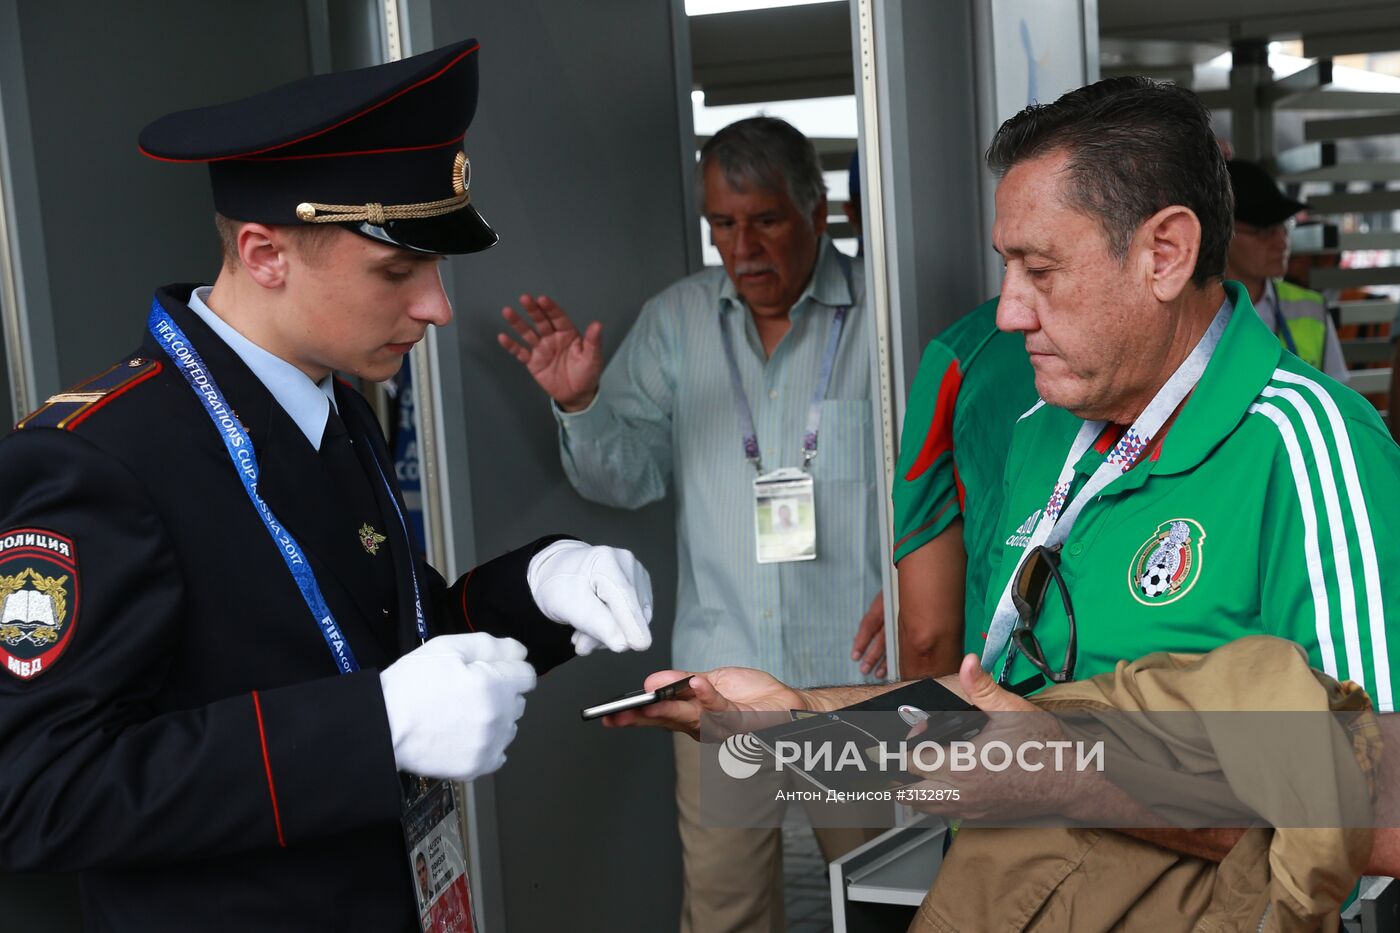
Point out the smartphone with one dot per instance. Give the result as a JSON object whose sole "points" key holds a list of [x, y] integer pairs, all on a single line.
{"points": [[636, 698], [885, 719]]}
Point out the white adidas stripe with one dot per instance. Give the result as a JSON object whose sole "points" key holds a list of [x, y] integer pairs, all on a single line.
{"points": [[1370, 567], [1341, 553], [1321, 614]]}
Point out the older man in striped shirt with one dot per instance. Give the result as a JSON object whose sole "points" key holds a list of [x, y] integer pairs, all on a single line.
{"points": [[746, 391]]}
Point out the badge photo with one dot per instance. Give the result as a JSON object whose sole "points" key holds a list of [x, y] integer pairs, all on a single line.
{"points": [[1168, 564], [438, 855], [785, 516], [38, 599]]}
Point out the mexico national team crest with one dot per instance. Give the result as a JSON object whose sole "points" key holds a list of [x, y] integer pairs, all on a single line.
{"points": [[38, 599], [1168, 564]]}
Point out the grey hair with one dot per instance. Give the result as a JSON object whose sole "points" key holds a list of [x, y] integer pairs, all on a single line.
{"points": [[766, 153]]}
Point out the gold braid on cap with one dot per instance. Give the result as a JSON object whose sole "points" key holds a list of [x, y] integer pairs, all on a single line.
{"points": [[378, 214]]}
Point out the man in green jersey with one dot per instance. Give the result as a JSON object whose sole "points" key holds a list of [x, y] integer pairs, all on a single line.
{"points": [[1188, 482], [972, 384], [1265, 500]]}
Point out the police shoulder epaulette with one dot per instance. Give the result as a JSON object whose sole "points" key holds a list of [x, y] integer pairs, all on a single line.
{"points": [[69, 408]]}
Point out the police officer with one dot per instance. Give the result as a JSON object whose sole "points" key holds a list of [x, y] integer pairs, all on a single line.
{"points": [[220, 648]]}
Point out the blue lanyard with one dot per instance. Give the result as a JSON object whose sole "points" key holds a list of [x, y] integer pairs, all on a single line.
{"points": [[245, 463], [1282, 324], [814, 410]]}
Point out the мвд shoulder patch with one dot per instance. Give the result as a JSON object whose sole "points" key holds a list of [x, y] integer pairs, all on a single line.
{"points": [[38, 599]]}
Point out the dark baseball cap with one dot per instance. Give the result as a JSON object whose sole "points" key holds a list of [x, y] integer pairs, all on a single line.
{"points": [[1258, 200]]}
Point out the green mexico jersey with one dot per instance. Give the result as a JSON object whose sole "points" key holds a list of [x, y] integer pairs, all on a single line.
{"points": [[973, 383], [1272, 506]]}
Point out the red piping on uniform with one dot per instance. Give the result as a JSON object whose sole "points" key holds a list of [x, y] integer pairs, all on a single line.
{"points": [[336, 155], [80, 418], [41, 553], [466, 617], [940, 433], [243, 155], [267, 765]]}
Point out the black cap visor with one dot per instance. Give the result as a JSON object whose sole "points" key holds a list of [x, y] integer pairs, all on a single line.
{"points": [[1258, 200], [462, 231], [1267, 211]]}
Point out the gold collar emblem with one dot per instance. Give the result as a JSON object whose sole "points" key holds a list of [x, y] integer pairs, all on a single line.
{"points": [[370, 538]]}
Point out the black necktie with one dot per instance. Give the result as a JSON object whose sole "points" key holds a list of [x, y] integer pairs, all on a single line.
{"points": [[361, 516], [338, 454], [335, 433]]}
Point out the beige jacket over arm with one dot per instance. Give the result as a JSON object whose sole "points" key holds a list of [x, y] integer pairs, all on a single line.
{"points": [[1086, 880]]}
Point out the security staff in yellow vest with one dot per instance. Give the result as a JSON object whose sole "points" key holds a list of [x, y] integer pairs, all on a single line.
{"points": [[1258, 257]]}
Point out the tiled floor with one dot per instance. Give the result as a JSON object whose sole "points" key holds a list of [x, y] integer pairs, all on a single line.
{"points": [[807, 891]]}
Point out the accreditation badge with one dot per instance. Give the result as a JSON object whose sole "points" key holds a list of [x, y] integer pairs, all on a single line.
{"points": [[785, 516], [437, 857]]}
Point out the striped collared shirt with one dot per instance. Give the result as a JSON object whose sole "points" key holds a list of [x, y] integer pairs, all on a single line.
{"points": [[664, 421]]}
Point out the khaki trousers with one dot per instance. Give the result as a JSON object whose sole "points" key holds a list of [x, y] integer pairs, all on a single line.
{"points": [[734, 877]]}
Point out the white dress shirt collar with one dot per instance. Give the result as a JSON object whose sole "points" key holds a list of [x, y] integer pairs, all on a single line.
{"points": [[308, 403]]}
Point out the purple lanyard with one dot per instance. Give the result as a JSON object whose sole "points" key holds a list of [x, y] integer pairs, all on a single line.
{"points": [[814, 410]]}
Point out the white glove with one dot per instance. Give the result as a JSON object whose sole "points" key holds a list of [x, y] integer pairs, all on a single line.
{"points": [[603, 592], [453, 702]]}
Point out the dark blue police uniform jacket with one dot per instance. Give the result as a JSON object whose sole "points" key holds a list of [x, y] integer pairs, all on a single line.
{"points": [[187, 745]]}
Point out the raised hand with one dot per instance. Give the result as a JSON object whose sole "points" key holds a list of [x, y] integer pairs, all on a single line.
{"points": [[565, 363]]}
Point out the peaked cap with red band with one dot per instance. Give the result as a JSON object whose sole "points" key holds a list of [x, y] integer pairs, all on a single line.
{"points": [[378, 150]]}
